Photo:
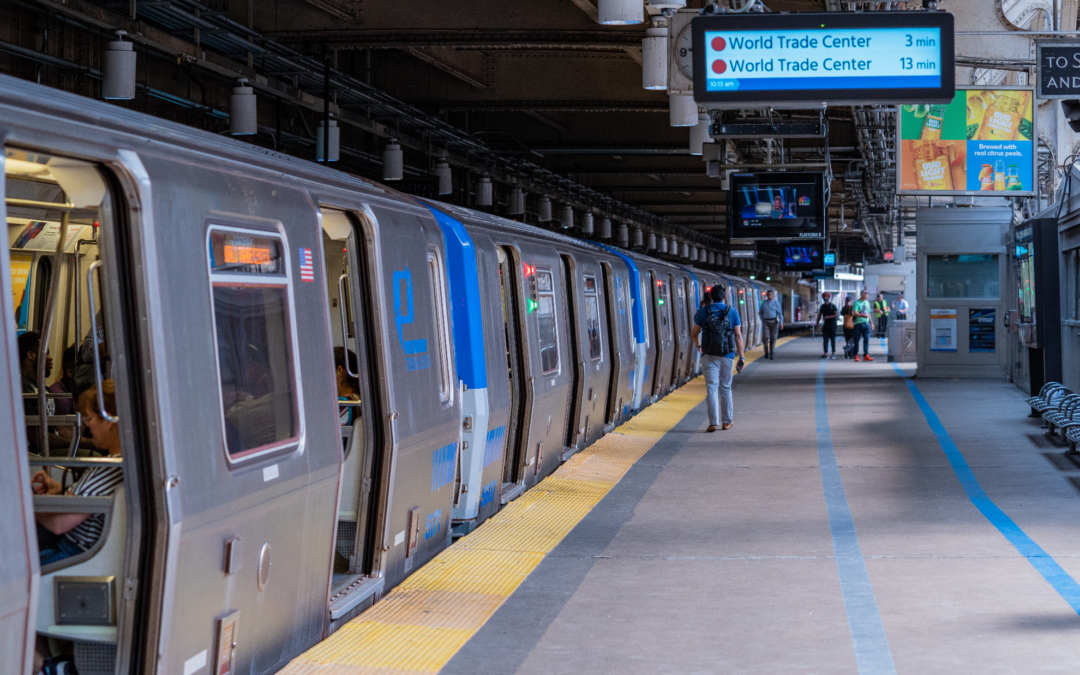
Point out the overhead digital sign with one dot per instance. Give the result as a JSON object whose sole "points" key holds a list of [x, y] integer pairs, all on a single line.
{"points": [[982, 143], [872, 57], [776, 205]]}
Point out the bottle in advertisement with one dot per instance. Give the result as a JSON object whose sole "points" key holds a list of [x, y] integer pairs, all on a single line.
{"points": [[986, 177], [931, 164], [1012, 179], [999, 175], [1001, 121], [932, 123]]}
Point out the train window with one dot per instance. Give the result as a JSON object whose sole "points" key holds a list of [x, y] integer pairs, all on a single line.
{"points": [[545, 321], [442, 326], [254, 340], [592, 319]]}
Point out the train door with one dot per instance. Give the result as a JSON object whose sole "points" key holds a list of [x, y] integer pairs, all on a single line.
{"points": [[357, 369], [618, 325], [19, 570], [573, 311], [648, 314], [520, 381], [93, 489], [682, 335], [664, 337]]}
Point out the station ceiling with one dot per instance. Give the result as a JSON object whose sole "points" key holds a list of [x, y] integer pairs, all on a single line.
{"points": [[540, 82]]}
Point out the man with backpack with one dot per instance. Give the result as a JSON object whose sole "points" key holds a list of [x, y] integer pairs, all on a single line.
{"points": [[721, 339]]}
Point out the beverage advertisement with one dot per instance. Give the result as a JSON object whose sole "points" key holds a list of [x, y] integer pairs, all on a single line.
{"points": [[981, 144]]}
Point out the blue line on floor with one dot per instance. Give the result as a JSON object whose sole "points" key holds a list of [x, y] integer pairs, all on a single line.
{"points": [[1042, 561], [872, 652]]}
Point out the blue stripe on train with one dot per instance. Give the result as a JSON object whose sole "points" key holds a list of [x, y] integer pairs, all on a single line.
{"points": [[635, 291], [465, 308]]}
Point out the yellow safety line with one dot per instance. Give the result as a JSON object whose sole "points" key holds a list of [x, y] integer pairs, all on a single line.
{"points": [[423, 622]]}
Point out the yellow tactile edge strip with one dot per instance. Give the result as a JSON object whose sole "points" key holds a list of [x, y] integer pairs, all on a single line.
{"points": [[422, 623]]}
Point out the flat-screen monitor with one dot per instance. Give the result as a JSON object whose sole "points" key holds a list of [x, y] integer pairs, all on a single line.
{"points": [[752, 60], [802, 256], [781, 205]]}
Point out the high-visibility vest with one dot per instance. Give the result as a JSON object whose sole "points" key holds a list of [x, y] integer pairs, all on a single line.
{"points": [[880, 307]]}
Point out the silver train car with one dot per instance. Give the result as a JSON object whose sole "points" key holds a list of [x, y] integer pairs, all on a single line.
{"points": [[193, 290]]}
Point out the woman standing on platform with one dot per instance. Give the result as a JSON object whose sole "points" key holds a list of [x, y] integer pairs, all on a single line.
{"points": [[849, 322]]}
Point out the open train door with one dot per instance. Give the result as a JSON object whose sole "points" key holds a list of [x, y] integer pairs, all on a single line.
{"points": [[18, 555]]}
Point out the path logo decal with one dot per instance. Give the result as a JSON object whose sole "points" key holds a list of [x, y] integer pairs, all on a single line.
{"points": [[416, 356]]}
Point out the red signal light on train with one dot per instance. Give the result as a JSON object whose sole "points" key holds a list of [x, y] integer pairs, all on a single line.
{"points": [[528, 270]]}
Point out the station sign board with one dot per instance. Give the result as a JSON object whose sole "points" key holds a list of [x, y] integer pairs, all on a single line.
{"points": [[815, 58], [982, 143], [1058, 69]]}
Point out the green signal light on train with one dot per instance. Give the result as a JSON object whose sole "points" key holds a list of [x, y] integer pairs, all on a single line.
{"points": [[531, 305]]}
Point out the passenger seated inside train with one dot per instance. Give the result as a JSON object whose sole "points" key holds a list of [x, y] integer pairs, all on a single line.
{"points": [[62, 535], [348, 387], [29, 345]]}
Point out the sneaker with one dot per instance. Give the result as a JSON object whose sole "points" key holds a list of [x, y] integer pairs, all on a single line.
{"points": [[826, 355], [712, 428], [834, 356], [856, 358], [868, 358], [727, 425]]}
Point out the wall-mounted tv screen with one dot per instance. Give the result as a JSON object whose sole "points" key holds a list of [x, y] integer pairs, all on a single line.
{"points": [[781, 205], [802, 256]]}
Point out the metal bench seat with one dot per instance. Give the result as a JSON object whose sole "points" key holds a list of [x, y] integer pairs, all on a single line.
{"points": [[1052, 399], [1063, 412], [1041, 396]]}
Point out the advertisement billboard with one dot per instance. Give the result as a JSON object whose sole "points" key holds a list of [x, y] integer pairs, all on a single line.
{"points": [[980, 144], [833, 57]]}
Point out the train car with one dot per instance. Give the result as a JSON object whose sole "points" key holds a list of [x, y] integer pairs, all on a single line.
{"points": [[555, 351], [307, 382], [202, 268]]}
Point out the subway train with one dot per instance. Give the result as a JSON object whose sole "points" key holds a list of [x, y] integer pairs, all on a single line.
{"points": [[205, 284]]}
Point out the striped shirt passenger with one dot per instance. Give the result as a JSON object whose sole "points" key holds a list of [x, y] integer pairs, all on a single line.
{"points": [[97, 482]]}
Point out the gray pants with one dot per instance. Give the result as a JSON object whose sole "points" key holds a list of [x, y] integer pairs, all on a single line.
{"points": [[718, 371], [770, 330]]}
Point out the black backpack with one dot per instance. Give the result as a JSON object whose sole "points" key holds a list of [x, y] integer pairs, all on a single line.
{"points": [[718, 337]]}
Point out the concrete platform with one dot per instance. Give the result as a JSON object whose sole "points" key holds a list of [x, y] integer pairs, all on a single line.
{"points": [[717, 553]]}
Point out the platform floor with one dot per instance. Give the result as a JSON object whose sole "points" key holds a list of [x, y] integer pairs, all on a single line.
{"points": [[853, 520]]}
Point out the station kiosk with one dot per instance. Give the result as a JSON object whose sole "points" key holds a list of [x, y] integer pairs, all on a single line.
{"points": [[961, 267]]}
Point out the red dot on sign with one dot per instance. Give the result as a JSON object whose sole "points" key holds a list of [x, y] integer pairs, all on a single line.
{"points": [[718, 44], [719, 67]]}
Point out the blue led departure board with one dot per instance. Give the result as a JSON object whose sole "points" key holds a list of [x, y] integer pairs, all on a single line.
{"points": [[823, 58]]}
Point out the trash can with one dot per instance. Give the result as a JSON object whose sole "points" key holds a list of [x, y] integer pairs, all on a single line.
{"points": [[902, 342]]}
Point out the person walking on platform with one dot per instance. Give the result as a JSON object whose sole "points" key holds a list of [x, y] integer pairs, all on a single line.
{"points": [[826, 316], [772, 322], [881, 314], [860, 311], [900, 306], [849, 325], [720, 331]]}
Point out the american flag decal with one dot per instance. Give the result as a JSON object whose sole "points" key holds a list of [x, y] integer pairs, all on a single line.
{"points": [[307, 267]]}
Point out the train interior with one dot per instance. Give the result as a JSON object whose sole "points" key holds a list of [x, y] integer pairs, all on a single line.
{"points": [[360, 501], [59, 212]]}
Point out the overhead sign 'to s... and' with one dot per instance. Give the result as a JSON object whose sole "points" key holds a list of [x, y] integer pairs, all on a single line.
{"points": [[1057, 69]]}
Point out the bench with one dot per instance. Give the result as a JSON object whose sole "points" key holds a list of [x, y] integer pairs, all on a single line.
{"points": [[1047, 397], [1061, 414]]}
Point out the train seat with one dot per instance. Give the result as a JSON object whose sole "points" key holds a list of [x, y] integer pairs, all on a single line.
{"points": [[79, 597], [351, 483]]}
